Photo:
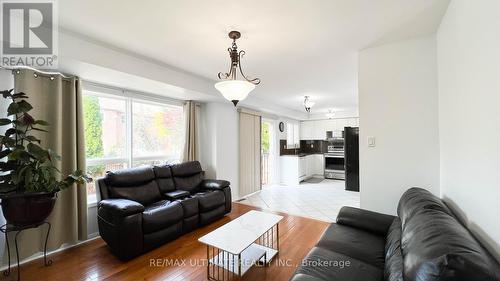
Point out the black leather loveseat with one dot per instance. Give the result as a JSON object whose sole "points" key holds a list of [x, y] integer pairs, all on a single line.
{"points": [[425, 242], [142, 208]]}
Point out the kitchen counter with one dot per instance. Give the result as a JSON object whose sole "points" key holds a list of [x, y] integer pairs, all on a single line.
{"points": [[301, 154], [295, 168]]}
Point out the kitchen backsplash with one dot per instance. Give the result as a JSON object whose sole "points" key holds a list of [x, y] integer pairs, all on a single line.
{"points": [[306, 146]]}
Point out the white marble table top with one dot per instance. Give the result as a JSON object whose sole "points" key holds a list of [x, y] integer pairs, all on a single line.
{"points": [[236, 235]]}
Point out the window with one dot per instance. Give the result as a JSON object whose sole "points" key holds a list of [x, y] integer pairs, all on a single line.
{"points": [[123, 132], [158, 133]]}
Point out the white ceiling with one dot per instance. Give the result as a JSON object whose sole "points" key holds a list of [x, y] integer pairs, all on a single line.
{"points": [[297, 48]]}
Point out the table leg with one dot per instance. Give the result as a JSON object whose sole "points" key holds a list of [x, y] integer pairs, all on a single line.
{"points": [[278, 237], [239, 266], [49, 262], [7, 271], [17, 256]]}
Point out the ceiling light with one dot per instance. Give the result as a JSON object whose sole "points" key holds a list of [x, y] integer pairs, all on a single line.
{"points": [[330, 114], [308, 104], [231, 88]]}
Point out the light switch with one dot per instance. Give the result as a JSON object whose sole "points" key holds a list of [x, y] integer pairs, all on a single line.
{"points": [[371, 141]]}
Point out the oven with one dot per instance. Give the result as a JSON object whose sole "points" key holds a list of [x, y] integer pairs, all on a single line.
{"points": [[335, 166], [335, 160]]}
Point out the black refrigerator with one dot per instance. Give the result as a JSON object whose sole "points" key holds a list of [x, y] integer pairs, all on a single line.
{"points": [[351, 150]]}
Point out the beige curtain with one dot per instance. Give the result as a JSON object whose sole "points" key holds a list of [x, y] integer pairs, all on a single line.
{"points": [[191, 115], [250, 145], [58, 100]]}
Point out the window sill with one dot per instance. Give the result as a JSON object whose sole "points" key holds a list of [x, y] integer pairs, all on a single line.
{"points": [[91, 201]]}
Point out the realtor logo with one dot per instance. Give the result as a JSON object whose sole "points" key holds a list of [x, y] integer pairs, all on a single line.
{"points": [[29, 33]]}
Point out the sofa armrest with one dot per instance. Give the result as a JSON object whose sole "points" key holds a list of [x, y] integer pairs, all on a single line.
{"points": [[121, 207], [176, 194], [367, 220], [214, 184]]}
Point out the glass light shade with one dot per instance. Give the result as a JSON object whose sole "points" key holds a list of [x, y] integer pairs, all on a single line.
{"points": [[234, 90], [308, 103]]}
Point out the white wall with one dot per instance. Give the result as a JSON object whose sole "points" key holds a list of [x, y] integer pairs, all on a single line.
{"points": [[398, 105], [469, 102], [219, 141]]}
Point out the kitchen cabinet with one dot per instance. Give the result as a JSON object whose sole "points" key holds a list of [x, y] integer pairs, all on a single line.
{"points": [[316, 129], [302, 167], [318, 164], [294, 168], [293, 135]]}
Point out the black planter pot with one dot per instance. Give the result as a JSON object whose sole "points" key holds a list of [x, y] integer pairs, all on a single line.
{"points": [[20, 209]]}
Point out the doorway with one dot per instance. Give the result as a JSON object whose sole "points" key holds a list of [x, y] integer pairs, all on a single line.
{"points": [[268, 148]]}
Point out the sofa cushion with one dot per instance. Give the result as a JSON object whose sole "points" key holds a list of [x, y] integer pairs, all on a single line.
{"points": [[176, 194], [136, 184], [210, 200], [355, 243], [436, 246], [130, 177], [145, 194], [323, 264], [160, 215], [164, 178], [187, 176], [189, 206], [393, 269], [416, 200]]}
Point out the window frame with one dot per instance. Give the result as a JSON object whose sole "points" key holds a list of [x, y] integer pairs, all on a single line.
{"points": [[129, 97]]}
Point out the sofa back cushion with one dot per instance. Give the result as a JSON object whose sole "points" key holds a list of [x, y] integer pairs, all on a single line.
{"points": [[436, 246], [187, 176], [416, 200], [164, 178], [136, 184], [393, 267]]}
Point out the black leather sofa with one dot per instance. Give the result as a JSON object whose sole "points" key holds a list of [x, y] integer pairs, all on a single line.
{"points": [[425, 242], [142, 208]]}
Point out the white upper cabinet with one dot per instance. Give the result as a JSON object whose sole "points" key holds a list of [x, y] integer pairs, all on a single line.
{"points": [[307, 130], [316, 130], [320, 129], [292, 135]]}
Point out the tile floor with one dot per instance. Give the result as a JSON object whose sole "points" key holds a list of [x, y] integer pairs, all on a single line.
{"points": [[321, 201]]}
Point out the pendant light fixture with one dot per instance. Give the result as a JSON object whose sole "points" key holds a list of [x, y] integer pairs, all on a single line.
{"points": [[308, 104], [231, 88], [330, 114]]}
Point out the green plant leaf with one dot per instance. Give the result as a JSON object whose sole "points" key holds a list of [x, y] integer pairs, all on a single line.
{"points": [[4, 153], [27, 119], [13, 109], [8, 141], [7, 166], [7, 187], [5, 121], [6, 178], [53, 155], [19, 155], [24, 106], [32, 139], [13, 131], [37, 152], [41, 130], [6, 93], [42, 123], [20, 95]]}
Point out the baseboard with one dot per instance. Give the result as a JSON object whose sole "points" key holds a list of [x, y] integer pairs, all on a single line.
{"points": [[40, 254]]}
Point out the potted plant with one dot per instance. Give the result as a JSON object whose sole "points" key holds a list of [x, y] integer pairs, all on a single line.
{"points": [[29, 179]]}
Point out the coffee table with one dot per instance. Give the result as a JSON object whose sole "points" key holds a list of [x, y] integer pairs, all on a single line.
{"points": [[235, 247]]}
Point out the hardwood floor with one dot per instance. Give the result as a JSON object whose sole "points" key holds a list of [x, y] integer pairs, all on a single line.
{"points": [[93, 261]]}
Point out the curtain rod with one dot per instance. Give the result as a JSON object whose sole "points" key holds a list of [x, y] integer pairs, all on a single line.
{"points": [[40, 72]]}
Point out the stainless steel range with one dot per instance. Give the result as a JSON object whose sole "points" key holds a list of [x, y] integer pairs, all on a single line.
{"points": [[335, 159]]}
